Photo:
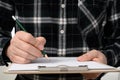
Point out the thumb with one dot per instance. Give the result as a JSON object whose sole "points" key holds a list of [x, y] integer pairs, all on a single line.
{"points": [[40, 42]]}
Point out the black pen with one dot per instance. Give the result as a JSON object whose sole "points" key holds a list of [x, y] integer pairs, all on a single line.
{"points": [[20, 26]]}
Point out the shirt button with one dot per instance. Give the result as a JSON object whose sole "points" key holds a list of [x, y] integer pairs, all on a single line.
{"points": [[63, 5], [62, 31]]}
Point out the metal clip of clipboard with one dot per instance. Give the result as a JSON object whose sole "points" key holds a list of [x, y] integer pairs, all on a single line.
{"points": [[63, 68]]}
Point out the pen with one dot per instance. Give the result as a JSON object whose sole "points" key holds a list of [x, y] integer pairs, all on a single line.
{"points": [[20, 26]]}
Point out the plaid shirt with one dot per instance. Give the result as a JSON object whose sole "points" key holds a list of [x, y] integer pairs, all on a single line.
{"points": [[71, 27]]}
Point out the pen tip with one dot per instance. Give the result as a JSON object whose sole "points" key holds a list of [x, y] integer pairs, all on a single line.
{"points": [[46, 56]]}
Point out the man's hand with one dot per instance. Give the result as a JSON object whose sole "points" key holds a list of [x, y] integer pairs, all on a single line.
{"points": [[93, 55], [24, 47]]}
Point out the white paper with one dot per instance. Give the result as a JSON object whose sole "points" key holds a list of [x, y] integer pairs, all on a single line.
{"points": [[57, 61]]}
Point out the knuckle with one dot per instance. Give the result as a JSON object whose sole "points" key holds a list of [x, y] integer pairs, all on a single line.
{"points": [[28, 37], [24, 36], [43, 39], [18, 33]]}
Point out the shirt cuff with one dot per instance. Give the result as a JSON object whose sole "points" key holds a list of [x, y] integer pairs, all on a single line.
{"points": [[109, 57]]}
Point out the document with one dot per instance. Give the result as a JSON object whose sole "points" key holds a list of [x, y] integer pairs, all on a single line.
{"points": [[60, 64], [57, 61]]}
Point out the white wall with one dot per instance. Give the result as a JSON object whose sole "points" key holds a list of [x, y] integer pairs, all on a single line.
{"points": [[4, 76], [112, 76]]}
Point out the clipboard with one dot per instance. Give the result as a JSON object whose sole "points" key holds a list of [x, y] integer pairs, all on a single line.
{"points": [[59, 65]]}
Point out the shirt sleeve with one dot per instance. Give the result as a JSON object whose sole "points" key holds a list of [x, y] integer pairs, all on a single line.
{"points": [[111, 38], [6, 25]]}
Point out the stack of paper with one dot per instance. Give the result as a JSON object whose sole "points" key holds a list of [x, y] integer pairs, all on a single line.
{"points": [[58, 61]]}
